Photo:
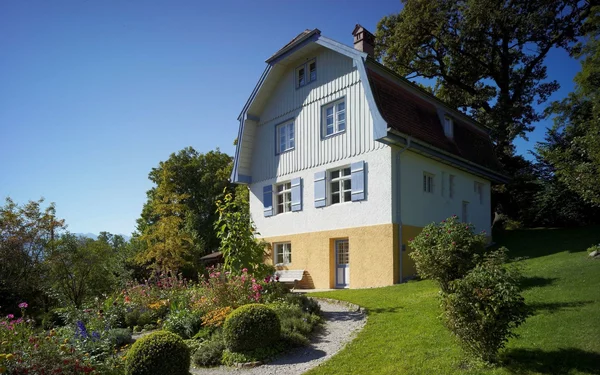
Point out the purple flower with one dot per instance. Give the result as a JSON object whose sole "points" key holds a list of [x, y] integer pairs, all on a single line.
{"points": [[23, 305], [80, 330], [10, 316]]}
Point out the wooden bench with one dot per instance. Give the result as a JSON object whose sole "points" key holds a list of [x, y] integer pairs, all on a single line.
{"points": [[290, 276]]}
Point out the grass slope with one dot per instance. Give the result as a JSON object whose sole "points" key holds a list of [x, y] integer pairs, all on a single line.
{"points": [[562, 285]]}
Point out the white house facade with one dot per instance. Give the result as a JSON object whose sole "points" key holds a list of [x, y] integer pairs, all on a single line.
{"points": [[345, 163]]}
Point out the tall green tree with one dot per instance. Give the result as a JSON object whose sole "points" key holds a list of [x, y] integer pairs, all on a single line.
{"points": [[27, 234], [168, 241], [485, 56], [201, 178], [572, 145]]}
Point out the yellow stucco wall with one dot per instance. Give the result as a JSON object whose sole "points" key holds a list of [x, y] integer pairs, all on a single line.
{"points": [[408, 265], [373, 255]]}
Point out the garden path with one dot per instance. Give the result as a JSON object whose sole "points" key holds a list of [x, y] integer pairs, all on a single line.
{"points": [[342, 323]]}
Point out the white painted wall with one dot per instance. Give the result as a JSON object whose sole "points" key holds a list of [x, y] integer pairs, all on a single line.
{"points": [[376, 209], [336, 78], [419, 208]]}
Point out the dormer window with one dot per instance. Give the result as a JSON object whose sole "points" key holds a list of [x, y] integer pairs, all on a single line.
{"points": [[448, 127], [306, 73]]}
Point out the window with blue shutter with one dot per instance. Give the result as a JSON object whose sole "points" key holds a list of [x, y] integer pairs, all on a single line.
{"points": [[358, 181], [297, 194], [320, 199], [268, 200]]}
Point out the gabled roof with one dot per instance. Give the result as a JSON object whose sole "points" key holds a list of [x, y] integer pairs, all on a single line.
{"points": [[305, 35], [414, 116]]}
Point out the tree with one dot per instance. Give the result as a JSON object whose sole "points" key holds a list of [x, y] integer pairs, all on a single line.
{"points": [[199, 177], [572, 145], [81, 268], [27, 234], [168, 242], [485, 56]]}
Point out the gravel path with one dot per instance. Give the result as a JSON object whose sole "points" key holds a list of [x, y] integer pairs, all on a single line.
{"points": [[342, 322]]}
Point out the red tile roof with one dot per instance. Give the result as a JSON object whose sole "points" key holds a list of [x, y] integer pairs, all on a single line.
{"points": [[412, 115]]}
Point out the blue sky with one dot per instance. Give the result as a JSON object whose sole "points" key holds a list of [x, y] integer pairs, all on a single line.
{"points": [[93, 94]]}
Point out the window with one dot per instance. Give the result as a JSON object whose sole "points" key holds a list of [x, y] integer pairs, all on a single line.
{"points": [[341, 185], [283, 253], [285, 137], [306, 73], [284, 197], [478, 188], [465, 212], [427, 182], [448, 127], [334, 117], [451, 186]]}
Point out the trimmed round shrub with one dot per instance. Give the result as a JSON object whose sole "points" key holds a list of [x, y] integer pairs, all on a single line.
{"points": [[160, 352], [251, 327]]}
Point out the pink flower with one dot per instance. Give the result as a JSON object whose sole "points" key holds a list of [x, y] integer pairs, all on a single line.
{"points": [[244, 270], [453, 243], [23, 305], [10, 316], [277, 278]]}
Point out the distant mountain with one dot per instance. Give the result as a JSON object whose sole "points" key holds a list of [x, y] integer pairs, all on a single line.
{"points": [[94, 236]]}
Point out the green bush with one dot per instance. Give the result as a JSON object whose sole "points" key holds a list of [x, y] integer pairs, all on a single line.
{"points": [[230, 358], [158, 353], [137, 318], [593, 248], [209, 353], [184, 322], [484, 307], [447, 251], [118, 337], [308, 305], [251, 327], [294, 320]]}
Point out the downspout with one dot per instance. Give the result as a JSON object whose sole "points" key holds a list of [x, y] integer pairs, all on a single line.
{"points": [[399, 206]]}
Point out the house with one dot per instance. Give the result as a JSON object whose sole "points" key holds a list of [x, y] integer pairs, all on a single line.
{"points": [[346, 161]]}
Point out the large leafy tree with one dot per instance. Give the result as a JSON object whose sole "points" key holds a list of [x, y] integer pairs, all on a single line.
{"points": [[28, 233], [485, 56], [201, 178], [572, 145]]}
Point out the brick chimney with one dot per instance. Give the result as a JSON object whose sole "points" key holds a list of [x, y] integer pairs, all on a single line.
{"points": [[364, 41]]}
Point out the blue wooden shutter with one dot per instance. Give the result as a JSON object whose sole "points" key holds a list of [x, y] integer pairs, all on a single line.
{"points": [[358, 181], [268, 200], [297, 194], [320, 200]]}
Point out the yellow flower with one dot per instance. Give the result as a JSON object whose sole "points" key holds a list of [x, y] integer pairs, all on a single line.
{"points": [[9, 356], [87, 354], [63, 347]]}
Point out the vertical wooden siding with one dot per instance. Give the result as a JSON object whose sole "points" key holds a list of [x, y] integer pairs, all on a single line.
{"points": [[336, 78]]}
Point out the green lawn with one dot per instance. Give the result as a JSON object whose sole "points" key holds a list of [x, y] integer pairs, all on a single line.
{"points": [[404, 335]]}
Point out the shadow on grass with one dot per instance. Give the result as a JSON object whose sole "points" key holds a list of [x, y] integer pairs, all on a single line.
{"points": [[533, 243], [535, 282], [562, 361], [553, 307]]}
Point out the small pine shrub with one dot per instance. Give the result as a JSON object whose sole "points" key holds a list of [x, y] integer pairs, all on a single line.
{"points": [[251, 327], [447, 251], [308, 305], [484, 307], [158, 353], [209, 353], [119, 337], [184, 322]]}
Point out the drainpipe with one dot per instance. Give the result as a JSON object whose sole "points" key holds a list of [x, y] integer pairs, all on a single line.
{"points": [[399, 206]]}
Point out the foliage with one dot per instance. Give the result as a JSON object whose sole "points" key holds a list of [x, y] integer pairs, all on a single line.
{"points": [[483, 308], [593, 248], [158, 353], [216, 318], [168, 242], [296, 324], [486, 56], [27, 232], [222, 289], [572, 145], [447, 251], [251, 327], [308, 305], [80, 268], [230, 358], [239, 246], [210, 352], [184, 323], [199, 179]]}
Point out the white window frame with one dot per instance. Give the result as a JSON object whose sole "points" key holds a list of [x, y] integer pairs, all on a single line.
{"points": [[285, 134], [286, 196], [448, 126], [285, 250], [340, 181], [339, 117], [428, 183], [451, 180], [478, 189], [307, 76]]}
